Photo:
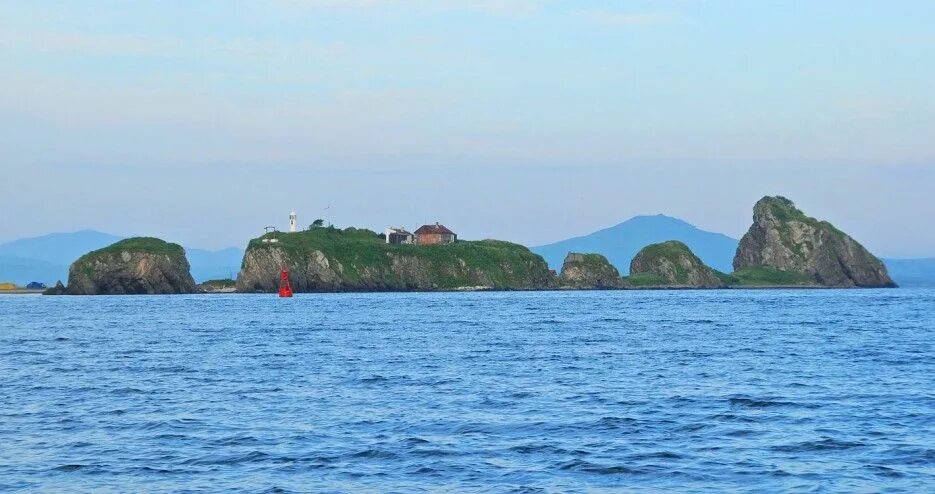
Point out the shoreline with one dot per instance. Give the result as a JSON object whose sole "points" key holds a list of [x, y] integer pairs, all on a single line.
{"points": [[487, 289], [23, 291]]}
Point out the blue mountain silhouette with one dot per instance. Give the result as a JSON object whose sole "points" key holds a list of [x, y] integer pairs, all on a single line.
{"points": [[46, 258], [620, 243]]}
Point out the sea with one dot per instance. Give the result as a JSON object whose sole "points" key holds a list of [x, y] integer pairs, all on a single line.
{"points": [[565, 391]]}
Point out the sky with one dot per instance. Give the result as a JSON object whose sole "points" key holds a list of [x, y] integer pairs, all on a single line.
{"points": [[527, 120]]}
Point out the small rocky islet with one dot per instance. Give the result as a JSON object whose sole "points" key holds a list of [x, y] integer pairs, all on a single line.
{"points": [[134, 266], [783, 239], [783, 248], [672, 264]]}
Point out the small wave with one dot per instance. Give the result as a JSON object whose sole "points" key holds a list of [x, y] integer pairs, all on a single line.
{"points": [[766, 403], [236, 440], [410, 441], [887, 472], [127, 391], [373, 379], [615, 422], [588, 467], [375, 454], [693, 427], [434, 452], [823, 445], [248, 458], [656, 455], [539, 449]]}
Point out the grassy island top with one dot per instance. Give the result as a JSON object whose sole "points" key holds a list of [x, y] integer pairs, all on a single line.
{"points": [[361, 249], [764, 276], [671, 250], [149, 245], [588, 260]]}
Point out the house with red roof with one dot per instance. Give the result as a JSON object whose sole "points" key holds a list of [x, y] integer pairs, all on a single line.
{"points": [[435, 234]]}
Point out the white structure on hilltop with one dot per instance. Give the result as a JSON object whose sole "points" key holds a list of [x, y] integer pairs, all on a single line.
{"points": [[293, 222], [398, 235]]}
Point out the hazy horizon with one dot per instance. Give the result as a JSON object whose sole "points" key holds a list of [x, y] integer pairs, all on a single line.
{"points": [[526, 120]]}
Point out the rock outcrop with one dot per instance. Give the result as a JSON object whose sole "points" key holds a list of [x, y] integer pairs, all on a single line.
{"points": [[58, 289], [588, 271], [784, 239], [134, 266], [333, 260], [671, 264]]}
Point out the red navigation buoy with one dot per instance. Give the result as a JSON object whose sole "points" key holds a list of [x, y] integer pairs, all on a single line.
{"points": [[285, 288]]}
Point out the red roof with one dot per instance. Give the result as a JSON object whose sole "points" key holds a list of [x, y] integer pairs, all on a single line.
{"points": [[436, 229]]}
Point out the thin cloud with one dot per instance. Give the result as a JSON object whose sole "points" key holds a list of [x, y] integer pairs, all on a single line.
{"points": [[488, 6], [610, 18], [94, 44]]}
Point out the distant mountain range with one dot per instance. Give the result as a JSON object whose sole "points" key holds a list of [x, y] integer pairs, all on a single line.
{"points": [[46, 258], [620, 243]]}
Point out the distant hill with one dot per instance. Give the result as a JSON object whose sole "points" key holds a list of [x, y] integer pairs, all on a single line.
{"points": [[621, 243], [21, 271], [57, 248], [46, 258], [912, 272]]}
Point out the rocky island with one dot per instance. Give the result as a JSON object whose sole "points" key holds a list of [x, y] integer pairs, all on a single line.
{"points": [[589, 271], [671, 265], [141, 265], [335, 260], [784, 246]]}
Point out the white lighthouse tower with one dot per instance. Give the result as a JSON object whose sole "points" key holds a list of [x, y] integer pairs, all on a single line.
{"points": [[293, 222]]}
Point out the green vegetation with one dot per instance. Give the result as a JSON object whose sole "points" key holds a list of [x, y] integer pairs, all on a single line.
{"points": [[365, 257], [225, 283], [149, 245], [591, 261], [671, 250], [764, 276], [140, 244], [644, 280], [785, 211]]}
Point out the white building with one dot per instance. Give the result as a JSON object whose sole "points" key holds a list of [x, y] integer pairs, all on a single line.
{"points": [[293, 222], [398, 235]]}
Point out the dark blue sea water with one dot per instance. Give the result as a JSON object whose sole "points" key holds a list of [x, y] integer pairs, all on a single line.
{"points": [[820, 391]]}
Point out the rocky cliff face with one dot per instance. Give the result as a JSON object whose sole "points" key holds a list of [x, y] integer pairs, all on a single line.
{"points": [[588, 271], [131, 267], [783, 238], [331, 260], [671, 264]]}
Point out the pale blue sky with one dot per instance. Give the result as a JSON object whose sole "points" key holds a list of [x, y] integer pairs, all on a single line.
{"points": [[528, 120]]}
